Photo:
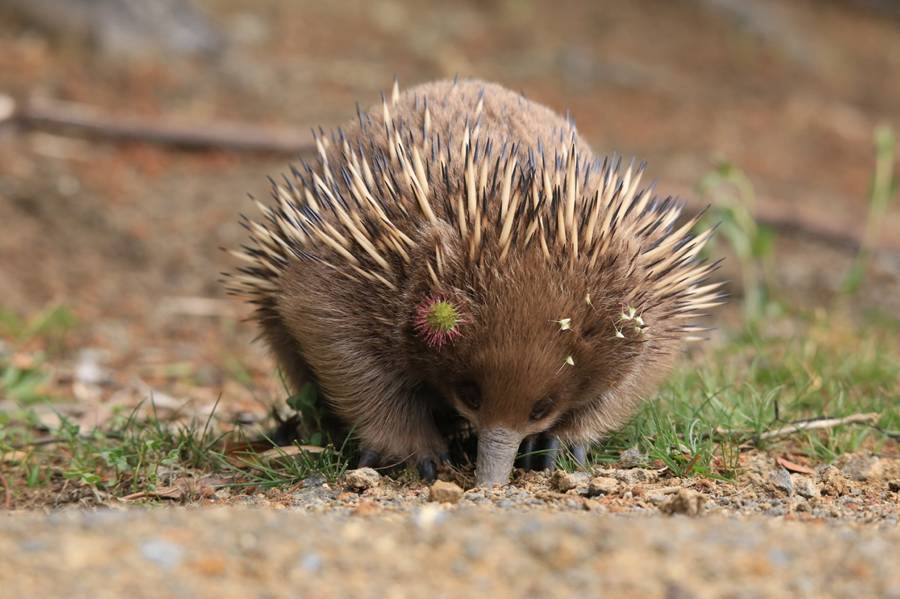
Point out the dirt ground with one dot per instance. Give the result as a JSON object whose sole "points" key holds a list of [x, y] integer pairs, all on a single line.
{"points": [[126, 236], [619, 531], [438, 552]]}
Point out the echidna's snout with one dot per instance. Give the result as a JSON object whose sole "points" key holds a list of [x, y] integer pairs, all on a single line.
{"points": [[497, 448]]}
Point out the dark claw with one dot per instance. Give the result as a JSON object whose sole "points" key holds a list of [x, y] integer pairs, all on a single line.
{"points": [[523, 460], [549, 449], [579, 452], [427, 470], [368, 459], [538, 452]]}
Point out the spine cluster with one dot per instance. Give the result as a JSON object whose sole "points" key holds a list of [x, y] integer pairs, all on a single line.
{"points": [[359, 213]]}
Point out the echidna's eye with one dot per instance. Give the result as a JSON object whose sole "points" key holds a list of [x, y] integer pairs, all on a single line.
{"points": [[469, 394], [541, 408]]}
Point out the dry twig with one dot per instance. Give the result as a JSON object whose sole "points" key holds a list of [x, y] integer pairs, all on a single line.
{"points": [[87, 121], [799, 426]]}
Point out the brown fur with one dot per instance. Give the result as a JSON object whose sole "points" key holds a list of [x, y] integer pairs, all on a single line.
{"points": [[347, 323]]}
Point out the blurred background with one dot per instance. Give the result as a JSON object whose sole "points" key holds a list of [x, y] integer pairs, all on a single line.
{"points": [[777, 113]]}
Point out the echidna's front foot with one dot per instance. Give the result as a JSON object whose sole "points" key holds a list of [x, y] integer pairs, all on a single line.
{"points": [[538, 452], [427, 464], [369, 459], [579, 453]]}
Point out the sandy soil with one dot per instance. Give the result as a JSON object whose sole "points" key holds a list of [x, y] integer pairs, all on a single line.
{"points": [[438, 551]]}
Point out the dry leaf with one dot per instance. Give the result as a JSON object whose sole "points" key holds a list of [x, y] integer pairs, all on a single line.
{"points": [[793, 466]]}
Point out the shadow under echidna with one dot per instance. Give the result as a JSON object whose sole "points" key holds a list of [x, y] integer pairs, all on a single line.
{"points": [[459, 253]]}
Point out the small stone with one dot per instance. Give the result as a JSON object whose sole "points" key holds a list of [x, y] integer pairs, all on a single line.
{"points": [[602, 485], [780, 479], [362, 479], [833, 482], [863, 468], [632, 458], [804, 486], [636, 476], [163, 553], [366, 508], [685, 501], [311, 562], [564, 481], [445, 492], [429, 516], [894, 486]]}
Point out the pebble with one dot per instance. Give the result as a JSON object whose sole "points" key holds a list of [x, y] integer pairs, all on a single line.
{"points": [[445, 492], [366, 508], [685, 501], [833, 481], [428, 516], [564, 481], [162, 552], [635, 476], [780, 479], [361, 479], [863, 468], [602, 485], [311, 562], [804, 486], [632, 458]]}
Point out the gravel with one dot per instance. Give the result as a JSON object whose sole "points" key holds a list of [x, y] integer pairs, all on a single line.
{"points": [[602, 485], [804, 486], [781, 480], [362, 479], [445, 492], [438, 551], [685, 501]]}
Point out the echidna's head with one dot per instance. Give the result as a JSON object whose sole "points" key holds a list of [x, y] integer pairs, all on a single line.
{"points": [[535, 346]]}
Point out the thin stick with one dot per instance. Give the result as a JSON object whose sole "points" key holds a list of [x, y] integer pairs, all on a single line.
{"points": [[802, 425], [87, 121]]}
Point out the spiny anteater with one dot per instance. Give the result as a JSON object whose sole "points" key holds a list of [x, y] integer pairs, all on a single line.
{"points": [[460, 245]]}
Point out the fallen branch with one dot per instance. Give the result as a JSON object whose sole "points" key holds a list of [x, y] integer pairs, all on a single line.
{"points": [[86, 121], [799, 426]]}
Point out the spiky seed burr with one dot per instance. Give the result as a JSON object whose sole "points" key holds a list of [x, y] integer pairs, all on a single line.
{"points": [[459, 244]]}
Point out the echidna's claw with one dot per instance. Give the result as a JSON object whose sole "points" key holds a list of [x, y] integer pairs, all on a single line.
{"points": [[579, 452], [368, 459], [427, 468], [538, 452], [524, 459], [548, 449]]}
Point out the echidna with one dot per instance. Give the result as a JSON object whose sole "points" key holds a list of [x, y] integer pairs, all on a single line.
{"points": [[459, 245]]}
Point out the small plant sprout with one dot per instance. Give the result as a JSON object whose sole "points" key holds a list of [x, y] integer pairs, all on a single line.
{"points": [[438, 321], [565, 324]]}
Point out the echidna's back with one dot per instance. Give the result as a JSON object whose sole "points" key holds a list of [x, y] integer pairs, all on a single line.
{"points": [[506, 117]]}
